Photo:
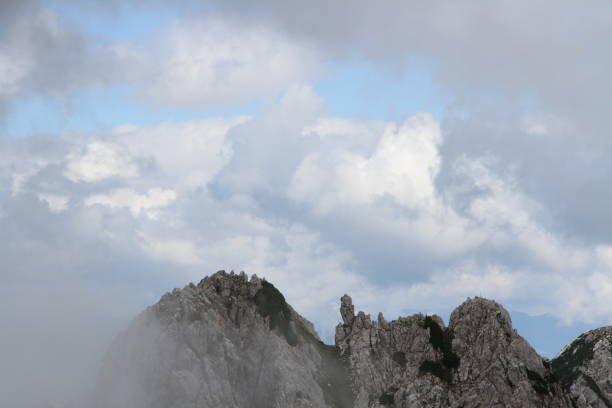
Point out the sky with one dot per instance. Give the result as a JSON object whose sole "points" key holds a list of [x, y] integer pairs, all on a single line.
{"points": [[411, 154]]}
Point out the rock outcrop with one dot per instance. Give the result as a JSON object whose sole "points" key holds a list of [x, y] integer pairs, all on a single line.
{"points": [[227, 342], [584, 368], [478, 360], [231, 342]]}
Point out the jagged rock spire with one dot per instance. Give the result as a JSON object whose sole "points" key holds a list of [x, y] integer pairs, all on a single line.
{"points": [[347, 310]]}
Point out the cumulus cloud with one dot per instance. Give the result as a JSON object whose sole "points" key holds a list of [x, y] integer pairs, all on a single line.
{"points": [[387, 191], [366, 194], [268, 148], [404, 167], [495, 65]]}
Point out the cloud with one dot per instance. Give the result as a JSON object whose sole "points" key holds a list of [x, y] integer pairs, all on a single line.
{"points": [[320, 206], [154, 199], [404, 167], [507, 46], [511, 218], [99, 161], [526, 82], [206, 61], [269, 192], [269, 147], [56, 203], [200, 62], [40, 55], [189, 154], [387, 191]]}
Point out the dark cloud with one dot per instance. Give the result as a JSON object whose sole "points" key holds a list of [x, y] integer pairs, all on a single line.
{"points": [[42, 55], [546, 50]]}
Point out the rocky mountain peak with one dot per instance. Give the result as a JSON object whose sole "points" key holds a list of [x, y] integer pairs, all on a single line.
{"points": [[584, 369], [235, 342], [228, 341], [479, 311], [228, 285]]}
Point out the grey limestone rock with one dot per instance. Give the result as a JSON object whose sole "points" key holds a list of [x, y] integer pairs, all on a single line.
{"points": [[226, 342], [584, 368], [479, 360], [233, 342]]}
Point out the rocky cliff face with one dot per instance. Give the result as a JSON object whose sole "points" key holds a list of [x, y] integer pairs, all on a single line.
{"points": [[227, 342], [584, 368], [233, 342], [478, 360]]}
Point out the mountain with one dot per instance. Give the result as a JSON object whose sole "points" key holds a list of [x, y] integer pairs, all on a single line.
{"points": [[234, 342]]}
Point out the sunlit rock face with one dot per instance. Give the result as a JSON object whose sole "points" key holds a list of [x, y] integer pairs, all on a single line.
{"points": [[234, 342]]}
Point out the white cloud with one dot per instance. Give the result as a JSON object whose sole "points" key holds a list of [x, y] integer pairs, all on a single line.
{"points": [[378, 178], [403, 166], [99, 161], [206, 61], [154, 199], [358, 136], [604, 256], [189, 153], [269, 147], [56, 203]]}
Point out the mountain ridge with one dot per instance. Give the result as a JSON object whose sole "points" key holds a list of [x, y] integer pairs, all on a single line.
{"points": [[235, 342]]}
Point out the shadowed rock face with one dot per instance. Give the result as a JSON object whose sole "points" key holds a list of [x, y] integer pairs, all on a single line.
{"points": [[234, 342]]}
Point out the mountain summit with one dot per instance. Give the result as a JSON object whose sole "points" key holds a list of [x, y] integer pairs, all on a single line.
{"points": [[234, 342]]}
